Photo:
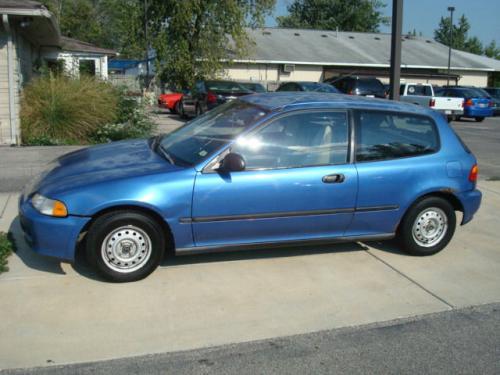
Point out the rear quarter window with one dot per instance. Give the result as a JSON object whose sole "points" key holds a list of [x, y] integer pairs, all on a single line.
{"points": [[385, 136]]}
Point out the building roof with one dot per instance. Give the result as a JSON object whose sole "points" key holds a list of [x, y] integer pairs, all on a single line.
{"points": [[20, 4], [75, 45], [319, 47]]}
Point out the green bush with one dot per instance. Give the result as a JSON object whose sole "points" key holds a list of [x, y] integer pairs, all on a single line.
{"points": [[132, 121], [66, 110], [58, 110], [6, 248]]}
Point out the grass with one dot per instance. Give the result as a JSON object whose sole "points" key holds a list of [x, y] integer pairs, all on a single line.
{"points": [[7, 246], [61, 110]]}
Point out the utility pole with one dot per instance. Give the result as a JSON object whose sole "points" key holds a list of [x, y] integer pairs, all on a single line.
{"points": [[397, 26], [450, 9]]}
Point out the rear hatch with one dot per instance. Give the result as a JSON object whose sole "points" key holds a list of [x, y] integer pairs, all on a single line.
{"points": [[370, 87]]}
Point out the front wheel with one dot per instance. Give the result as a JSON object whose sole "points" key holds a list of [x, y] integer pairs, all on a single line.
{"points": [[479, 119], [125, 245], [427, 227]]}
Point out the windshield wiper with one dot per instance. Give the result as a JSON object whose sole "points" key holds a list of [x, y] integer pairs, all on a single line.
{"points": [[165, 154]]}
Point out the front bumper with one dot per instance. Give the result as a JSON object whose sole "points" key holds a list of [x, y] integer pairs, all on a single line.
{"points": [[471, 200], [51, 236]]}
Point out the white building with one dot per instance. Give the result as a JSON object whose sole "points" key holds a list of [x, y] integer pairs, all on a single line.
{"points": [[280, 55], [29, 38]]}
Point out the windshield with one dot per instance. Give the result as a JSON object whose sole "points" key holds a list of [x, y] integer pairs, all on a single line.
{"points": [[372, 85], [255, 87], [201, 137], [319, 87]]}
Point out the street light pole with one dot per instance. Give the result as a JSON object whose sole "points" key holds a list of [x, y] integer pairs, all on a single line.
{"points": [[450, 9], [395, 69]]}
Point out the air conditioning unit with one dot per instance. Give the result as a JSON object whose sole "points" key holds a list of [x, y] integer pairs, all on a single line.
{"points": [[288, 68]]}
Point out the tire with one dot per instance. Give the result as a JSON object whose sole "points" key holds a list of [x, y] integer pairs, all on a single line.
{"points": [[479, 119], [199, 111], [427, 227], [182, 112], [177, 107], [125, 246]]}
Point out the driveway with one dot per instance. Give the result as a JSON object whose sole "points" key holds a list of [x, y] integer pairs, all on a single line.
{"points": [[56, 313]]}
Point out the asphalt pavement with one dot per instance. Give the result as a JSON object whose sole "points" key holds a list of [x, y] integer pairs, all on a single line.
{"points": [[464, 341], [483, 138]]}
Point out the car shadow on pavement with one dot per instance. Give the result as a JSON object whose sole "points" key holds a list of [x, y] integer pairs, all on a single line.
{"points": [[28, 257], [388, 246], [265, 253]]}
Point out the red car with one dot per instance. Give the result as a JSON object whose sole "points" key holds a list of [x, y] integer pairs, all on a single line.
{"points": [[170, 101]]}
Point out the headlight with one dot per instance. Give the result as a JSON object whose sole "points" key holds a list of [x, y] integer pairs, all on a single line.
{"points": [[48, 206]]}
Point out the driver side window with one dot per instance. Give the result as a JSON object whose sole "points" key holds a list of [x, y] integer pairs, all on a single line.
{"points": [[297, 140]]}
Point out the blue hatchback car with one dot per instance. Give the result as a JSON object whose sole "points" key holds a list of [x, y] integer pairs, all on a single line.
{"points": [[264, 170], [477, 104]]}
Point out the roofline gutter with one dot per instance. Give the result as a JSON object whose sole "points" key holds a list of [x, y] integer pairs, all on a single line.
{"points": [[10, 77], [356, 64]]}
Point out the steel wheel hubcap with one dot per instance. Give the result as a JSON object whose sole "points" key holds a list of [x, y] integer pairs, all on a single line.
{"points": [[430, 227], [126, 249]]}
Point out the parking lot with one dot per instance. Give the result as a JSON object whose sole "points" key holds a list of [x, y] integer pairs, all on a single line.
{"points": [[56, 313], [483, 138]]}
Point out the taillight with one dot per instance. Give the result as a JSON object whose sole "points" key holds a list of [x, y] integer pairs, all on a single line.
{"points": [[473, 173], [349, 92], [432, 103], [468, 103], [463, 103], [491, 103], [211, 97]]}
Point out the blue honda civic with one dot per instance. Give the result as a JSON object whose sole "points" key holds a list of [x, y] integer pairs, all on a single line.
{"points": [[275, 169]]}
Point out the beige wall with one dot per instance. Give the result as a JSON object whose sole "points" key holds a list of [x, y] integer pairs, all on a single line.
{"points": [[23, 56], [479, 79], [272, 73]]}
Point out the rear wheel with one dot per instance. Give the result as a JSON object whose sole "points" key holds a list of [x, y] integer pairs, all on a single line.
{"points": [[427, 227], [199, 111], [125, 245], [177, 107], [479, 119]]}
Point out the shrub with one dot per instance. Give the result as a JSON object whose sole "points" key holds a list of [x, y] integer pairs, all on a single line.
{"points": [[131, 122], [61, 110], [6, 248]]}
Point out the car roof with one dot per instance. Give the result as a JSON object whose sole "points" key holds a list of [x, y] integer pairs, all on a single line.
{"points": [[284, 100]]}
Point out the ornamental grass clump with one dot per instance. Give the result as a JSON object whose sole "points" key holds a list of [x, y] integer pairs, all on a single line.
{"points": [[62, 110]]}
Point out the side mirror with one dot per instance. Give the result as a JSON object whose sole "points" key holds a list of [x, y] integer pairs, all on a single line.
{"points": [[232, 162]]}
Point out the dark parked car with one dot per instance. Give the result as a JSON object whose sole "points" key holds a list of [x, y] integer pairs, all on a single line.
{"points": [[253, 86], [264, 170], [363, 86], [308, 86], [494, 93], [209, 94], [477, 103]]}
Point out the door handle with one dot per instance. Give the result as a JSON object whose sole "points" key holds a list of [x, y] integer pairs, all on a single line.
{"points": [[335, 178]]}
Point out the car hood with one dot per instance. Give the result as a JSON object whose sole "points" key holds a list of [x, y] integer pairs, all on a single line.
{"points": [[103, 163]]}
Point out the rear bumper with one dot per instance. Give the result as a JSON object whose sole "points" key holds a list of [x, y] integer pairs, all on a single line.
{"points": [[478, 112], [471, 200], [51, 236]]}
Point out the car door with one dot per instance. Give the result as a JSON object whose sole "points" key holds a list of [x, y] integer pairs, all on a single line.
{"points": [[395, 163], [297, 184]]}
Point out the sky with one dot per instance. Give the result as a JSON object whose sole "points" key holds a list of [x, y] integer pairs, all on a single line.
{"points": [[424, 16]]}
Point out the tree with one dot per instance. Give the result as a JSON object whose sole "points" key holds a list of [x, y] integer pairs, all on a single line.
{"points": [[115, 24], [474, 45], [193, 38], [346, 15], [442, 33], [492, 51]]}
